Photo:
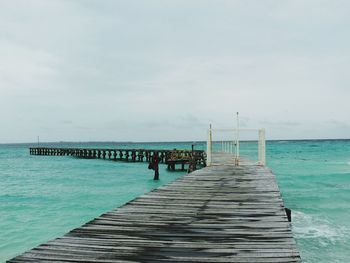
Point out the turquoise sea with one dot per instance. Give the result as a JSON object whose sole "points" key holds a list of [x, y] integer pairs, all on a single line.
{"points": [[42, 197]]}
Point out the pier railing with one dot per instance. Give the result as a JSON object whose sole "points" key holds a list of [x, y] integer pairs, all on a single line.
{"points": [[229, 141]]}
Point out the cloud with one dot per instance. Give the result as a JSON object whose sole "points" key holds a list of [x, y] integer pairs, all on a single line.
{"points": [[170, 66]]}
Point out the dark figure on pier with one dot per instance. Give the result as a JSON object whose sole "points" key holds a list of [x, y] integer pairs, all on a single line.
{"points": [[154, 166]]}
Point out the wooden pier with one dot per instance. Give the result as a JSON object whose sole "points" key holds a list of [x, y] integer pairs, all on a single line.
{"points": [[172, 158], [221, 213]]}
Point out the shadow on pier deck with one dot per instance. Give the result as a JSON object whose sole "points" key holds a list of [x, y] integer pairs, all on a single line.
{"points": [[221, 213]]}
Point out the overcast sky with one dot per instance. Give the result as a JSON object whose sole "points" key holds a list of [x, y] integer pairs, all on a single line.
{"points": [[161, 70]]}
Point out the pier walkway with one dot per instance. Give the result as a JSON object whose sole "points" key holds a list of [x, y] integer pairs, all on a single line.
{"points": [[221, 213]]}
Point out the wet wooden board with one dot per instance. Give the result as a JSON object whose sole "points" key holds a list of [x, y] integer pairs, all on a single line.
{"points": [[221, 213]]}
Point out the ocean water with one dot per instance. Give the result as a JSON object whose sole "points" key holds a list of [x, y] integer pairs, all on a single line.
{"points": [[42, 197], [314, 178]]}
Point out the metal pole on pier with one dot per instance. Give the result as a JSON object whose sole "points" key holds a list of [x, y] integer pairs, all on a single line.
{"points": [[209, 146], [262, 147], [237, 140]]}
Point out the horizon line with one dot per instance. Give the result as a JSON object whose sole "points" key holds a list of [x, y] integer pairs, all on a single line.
{"points": [[177, 141]]}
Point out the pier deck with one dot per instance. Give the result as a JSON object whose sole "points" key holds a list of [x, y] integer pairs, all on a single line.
{"points": [[221, 213]]}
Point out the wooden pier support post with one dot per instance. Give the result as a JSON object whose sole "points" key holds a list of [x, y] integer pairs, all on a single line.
{"points": [[289, 214], [154, 165], [133, 155], [140, 155]]}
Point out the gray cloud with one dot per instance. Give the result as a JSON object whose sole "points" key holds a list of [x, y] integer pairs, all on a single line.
{"points": [[119, 67]]}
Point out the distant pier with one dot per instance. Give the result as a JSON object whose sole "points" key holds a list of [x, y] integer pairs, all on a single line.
{"points": [[221, 213], [196, 158]]}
